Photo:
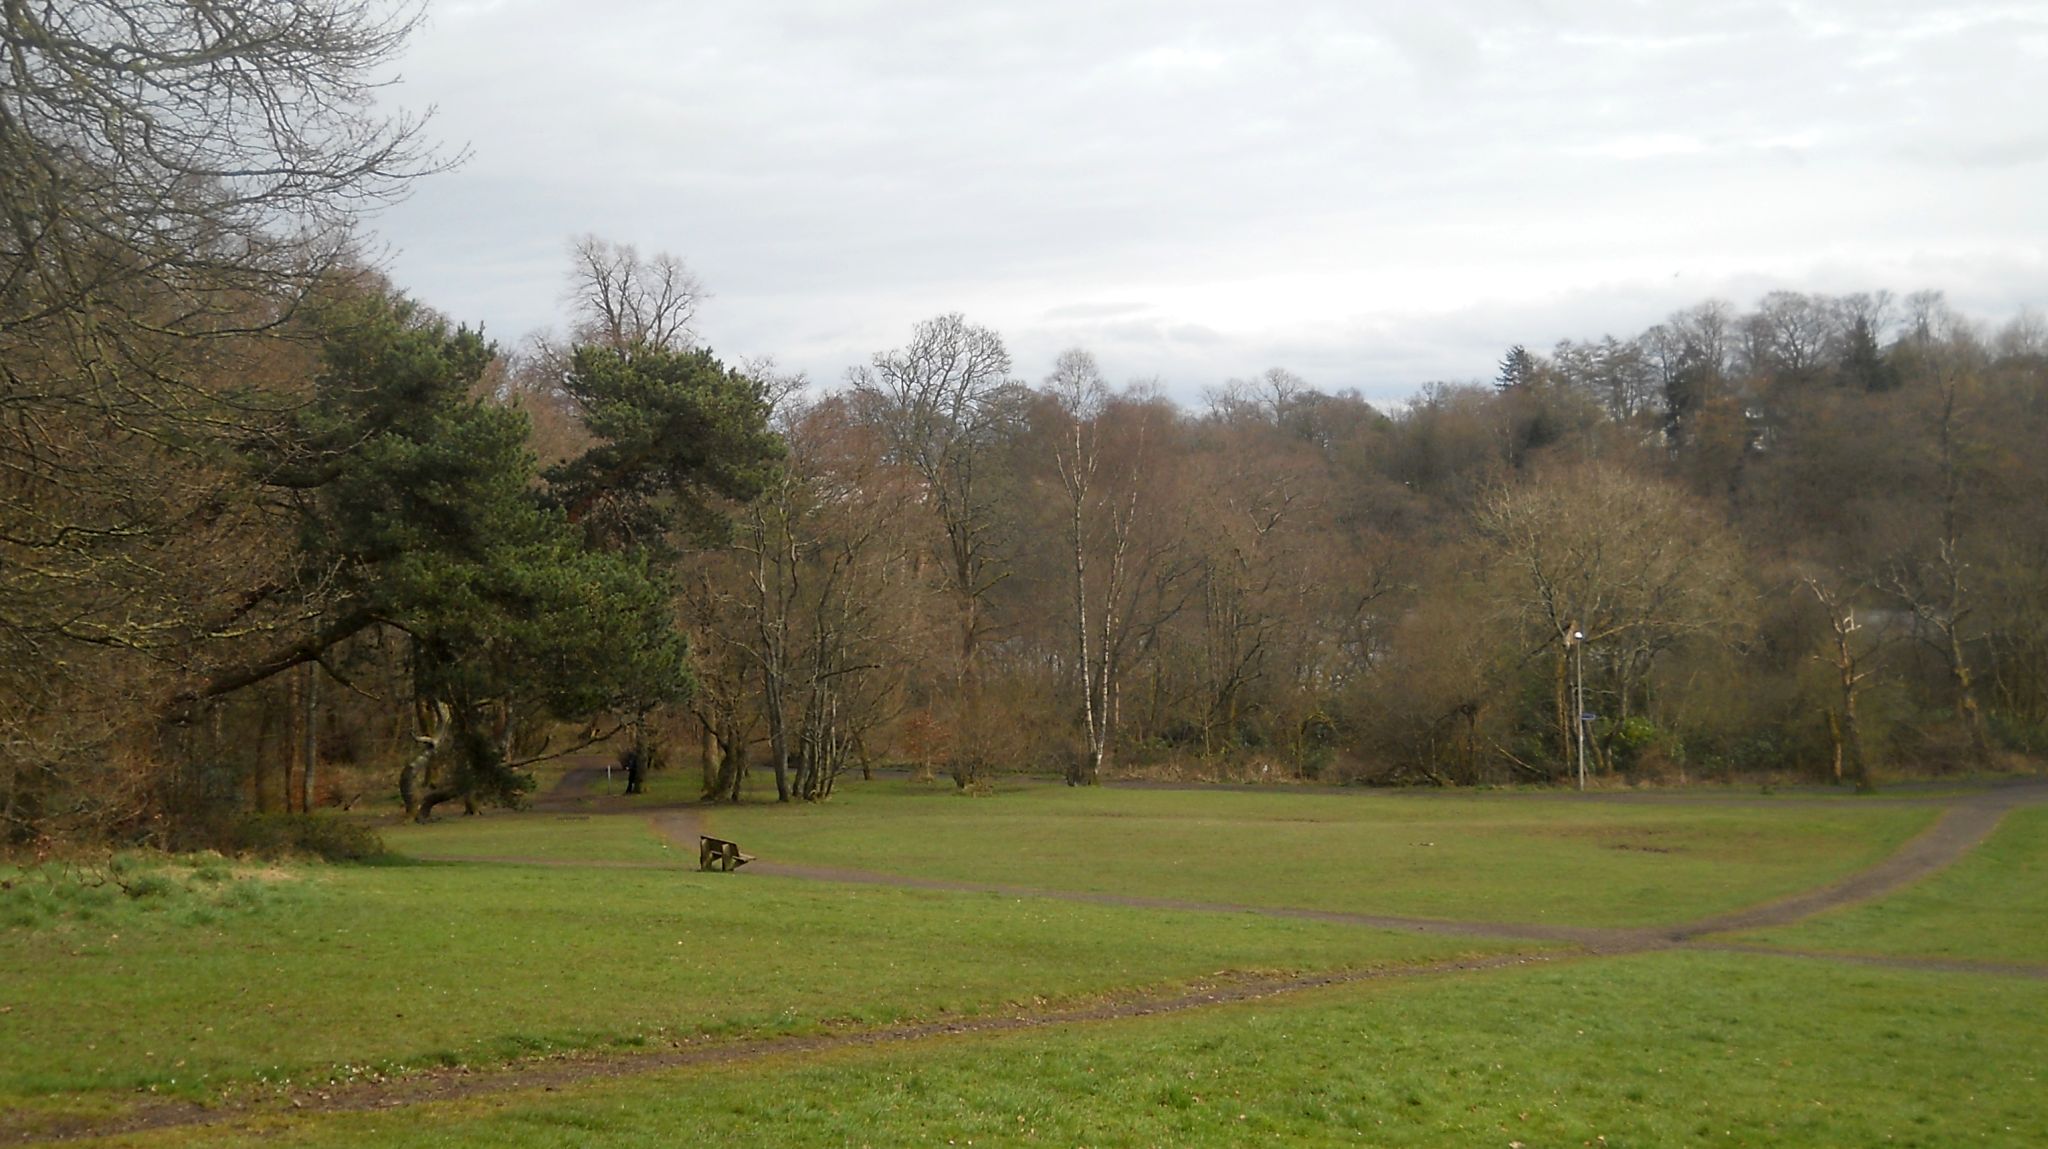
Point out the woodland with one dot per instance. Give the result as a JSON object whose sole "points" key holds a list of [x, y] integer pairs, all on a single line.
{"points": [[277, 536]]}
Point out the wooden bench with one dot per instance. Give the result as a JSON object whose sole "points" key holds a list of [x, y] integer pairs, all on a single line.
{"points": [[719, 854]]}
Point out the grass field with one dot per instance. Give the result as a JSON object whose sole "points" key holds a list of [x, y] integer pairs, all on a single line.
{"points": [[1656, 1050], [223, 979], [1477, 858], [1991, 906], [539, 834], [353, 969]]}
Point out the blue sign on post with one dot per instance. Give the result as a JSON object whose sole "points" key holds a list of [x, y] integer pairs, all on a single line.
{"points": [[1588, 716]]}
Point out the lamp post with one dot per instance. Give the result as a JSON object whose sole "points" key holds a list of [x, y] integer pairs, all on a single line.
{"points": [[1579, 715]]}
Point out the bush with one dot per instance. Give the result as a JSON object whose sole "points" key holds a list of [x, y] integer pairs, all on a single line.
{"points": [[304, 835]]}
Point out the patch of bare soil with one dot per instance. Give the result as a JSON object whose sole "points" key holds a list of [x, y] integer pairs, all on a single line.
{"points": [[581, 784]]}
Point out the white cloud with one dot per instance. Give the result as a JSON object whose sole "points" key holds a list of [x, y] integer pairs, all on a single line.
{"points": [[1371, 194]]}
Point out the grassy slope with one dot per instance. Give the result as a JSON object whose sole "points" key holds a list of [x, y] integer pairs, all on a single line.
{"points": [[1581, 863], [552, 836], [351, 967], [1991, 906], [364, 967], [1657, 1050]]}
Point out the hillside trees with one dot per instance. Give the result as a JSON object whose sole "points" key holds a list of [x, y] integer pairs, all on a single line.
{"points": [[1129, 564], [1932, 575], [836, 600], [231, 468], [670, 437], [1618, 563], [174, 179], [1291, 580], [1616, 374], [674, 436], [420, 512], [812, 619], [944, 404], [2012, 487], [1260, 510]]}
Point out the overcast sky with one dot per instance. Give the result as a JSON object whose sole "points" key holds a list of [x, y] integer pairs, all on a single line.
{"points": [[1370, 194]]}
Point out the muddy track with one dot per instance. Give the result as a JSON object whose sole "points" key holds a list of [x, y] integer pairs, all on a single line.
{"points": [[1966, 823], [1960, 829], [572, 1069]]}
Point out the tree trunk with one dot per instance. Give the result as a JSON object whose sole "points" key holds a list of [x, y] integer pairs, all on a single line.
{"points": [[1563, 681], [436, 723], [778, 736], [1844, 734], [1852, 739], [1967, 710], [1078, 472], [294, 739], [636, 766], [730, 753], [736, 757], [434, 798], [707, 764], [260, 773], [311, 756], [1835, 743]]}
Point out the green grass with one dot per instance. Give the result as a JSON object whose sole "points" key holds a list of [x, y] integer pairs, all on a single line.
{"points": [[1990, 906], [538, 834], [1660, 1050], [314, 974], [364, 969], [1483, 858], [136, 890], [680, 783]]}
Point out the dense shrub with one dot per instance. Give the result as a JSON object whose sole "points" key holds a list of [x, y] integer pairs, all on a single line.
{"points": [[304, 835]]}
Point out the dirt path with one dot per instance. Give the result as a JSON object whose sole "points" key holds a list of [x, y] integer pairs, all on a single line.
{"points": [[1968, 821], [572, 1069], [1960, 829], [1965, 824], [588, 784], [244, 1113]]}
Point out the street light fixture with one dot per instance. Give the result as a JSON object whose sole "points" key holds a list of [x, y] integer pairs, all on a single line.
{"points": [[1579, 648]]}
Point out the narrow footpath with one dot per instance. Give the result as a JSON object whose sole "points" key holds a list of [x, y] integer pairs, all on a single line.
{"points": [[1966, 822]]}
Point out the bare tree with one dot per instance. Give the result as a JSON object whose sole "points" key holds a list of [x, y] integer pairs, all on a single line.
{"points": [[1618, 375], [175, 178], [1130, 587], [723, 669], [154, 145], [623, 301], [1848, 656], [1791, 334], [1623, 564], [940, 402], [1934, 581]]}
